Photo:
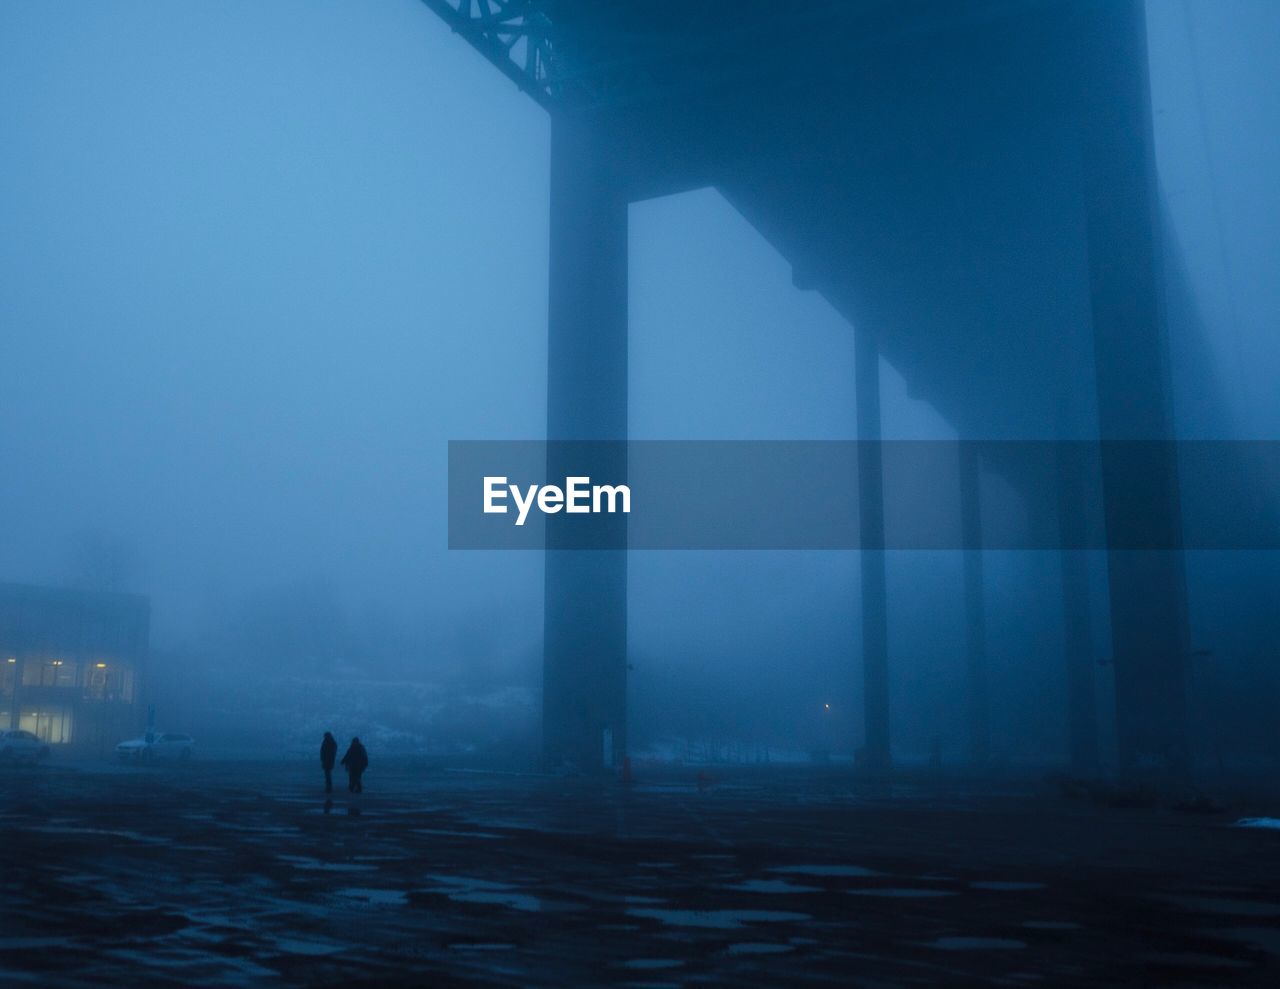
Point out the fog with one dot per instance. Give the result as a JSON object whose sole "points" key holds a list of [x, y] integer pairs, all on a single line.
{"points": [[259, 263]]}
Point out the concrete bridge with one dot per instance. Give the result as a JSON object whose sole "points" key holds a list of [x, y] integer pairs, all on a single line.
{"points": [[972, 184]]}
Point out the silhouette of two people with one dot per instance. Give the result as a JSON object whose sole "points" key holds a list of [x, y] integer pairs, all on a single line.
{"points": [[328, 755], [356, 761]]}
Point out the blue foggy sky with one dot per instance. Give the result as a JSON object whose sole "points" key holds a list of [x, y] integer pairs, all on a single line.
{"points": [[263, 261]]}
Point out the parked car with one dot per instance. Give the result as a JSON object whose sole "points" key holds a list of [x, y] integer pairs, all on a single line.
{"points": [[155, 746], [21, 746]]}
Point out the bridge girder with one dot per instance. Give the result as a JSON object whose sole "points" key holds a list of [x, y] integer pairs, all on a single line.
{"points": [[587, 55]]}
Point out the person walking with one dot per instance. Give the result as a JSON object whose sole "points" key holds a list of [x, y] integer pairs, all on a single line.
{"points": [[328, 753], [357, 761]]}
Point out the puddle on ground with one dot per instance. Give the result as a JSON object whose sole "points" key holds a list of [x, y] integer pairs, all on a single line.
{"points": [[516, 901], [902, 892], [294, 946], [1005, 886], [215, 933], [1050, 925], [976, 944], [501, 824], [448, 833], [466, 883], [144, 839], [652, 963], [464, 889], [1192, 959], [381, 897], [758, 948], [1270, 823], [1265, 938], [173, 961], [482, 946], [656, 865], [772, 886], [720, 919], [854, 871], [315, 865], [1223, 905]]}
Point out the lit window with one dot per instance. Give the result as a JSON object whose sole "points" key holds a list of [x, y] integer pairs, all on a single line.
{"points": [[49, 673], [98, 684], [49, 724]]}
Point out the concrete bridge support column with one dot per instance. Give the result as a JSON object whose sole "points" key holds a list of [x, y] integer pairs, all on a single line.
{"points": [[1140, 485], [975, 617], [1077, 624], [585, 625], [875, 636]]}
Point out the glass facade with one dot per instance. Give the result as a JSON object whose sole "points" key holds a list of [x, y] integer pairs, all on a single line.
{"points": [[109, 681], [49, 724], [50, 673], [71, 664]]}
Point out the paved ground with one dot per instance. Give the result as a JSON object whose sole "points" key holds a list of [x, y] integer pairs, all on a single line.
{"points": [[237, 875]]}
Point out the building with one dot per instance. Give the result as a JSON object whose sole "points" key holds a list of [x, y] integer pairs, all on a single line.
{"points": [[71, 663]]}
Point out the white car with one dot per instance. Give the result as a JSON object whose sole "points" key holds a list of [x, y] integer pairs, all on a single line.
{"points": [[21, 745], [156, 746]]}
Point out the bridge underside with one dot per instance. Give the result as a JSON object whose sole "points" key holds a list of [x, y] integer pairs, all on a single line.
{"points": [[971, 184]]}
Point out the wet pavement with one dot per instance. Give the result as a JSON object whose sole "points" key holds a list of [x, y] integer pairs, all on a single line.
{"points": [[238, 875]]}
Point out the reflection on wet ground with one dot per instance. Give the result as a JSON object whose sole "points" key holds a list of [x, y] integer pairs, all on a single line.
{"points": [[241, 876]]}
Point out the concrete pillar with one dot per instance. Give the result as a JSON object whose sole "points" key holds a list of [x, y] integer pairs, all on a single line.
{"points": [[16, 648], [11, 676], [1147, 586], [1077, 624], [875, 644], [975, 617], [585, 626]]}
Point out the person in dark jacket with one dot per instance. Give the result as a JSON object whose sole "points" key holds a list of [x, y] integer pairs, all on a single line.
{"points": [[357, 761], [328, 753]]}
